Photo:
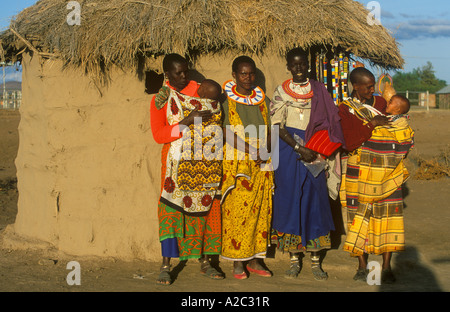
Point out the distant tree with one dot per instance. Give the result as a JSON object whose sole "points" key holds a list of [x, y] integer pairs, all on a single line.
{"points": [[420, 79]]}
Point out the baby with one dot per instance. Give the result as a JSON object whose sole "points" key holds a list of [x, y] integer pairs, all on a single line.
{"points": [[397, 107], [209, 89]]}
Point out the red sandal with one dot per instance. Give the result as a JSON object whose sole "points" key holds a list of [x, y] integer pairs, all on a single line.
{"points": [[240, 276], [263, 273]]}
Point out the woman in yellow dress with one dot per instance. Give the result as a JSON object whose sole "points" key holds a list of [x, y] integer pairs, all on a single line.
{"points": [[247, 177]]}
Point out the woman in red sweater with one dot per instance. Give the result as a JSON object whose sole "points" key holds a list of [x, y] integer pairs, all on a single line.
{"points": [[182, 235]]}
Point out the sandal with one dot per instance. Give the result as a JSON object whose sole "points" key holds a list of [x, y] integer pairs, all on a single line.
{"points": [[387, 277], [240, 276], [319, 274], [207, 270], [361, 275], [212, 273], [316, 268], [263, 273], [294, 269], [164, 277], [240, 268]]}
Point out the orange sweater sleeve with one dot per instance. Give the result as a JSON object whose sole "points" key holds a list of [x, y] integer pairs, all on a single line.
{"points": [[162, 132]]}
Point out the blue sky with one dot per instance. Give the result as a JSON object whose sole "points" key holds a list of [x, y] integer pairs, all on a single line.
{"points": [[422, 28]]}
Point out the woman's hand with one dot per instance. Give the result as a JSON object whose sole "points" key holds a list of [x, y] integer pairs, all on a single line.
{"points": [[189, 120], [307, 154], [380, 120]]}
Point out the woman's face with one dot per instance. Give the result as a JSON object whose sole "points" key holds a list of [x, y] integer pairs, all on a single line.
{"points": [[298, 66], [245, 78], [364, 89], [178, 75]]}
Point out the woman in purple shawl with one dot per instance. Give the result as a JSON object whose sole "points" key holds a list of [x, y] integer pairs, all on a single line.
{"points": [[302, 218]]}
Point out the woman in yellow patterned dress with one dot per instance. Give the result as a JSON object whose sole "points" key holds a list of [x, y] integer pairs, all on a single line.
{"points": [[247, 184]]}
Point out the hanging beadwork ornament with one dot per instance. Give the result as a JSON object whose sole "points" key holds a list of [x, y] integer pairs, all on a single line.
{"points": [[333, 80], [341, 74], [345, 88], [318, 71], [336, 71]]}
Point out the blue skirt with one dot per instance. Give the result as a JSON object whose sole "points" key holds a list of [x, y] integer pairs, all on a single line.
{"points": [[169, 248], [301, 205]]}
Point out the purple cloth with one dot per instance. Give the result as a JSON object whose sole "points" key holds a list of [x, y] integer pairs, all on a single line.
{"points": [[324, 115]]}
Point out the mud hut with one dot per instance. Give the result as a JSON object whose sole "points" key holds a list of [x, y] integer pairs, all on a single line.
{"points": [[443, 96], [88, 169]]}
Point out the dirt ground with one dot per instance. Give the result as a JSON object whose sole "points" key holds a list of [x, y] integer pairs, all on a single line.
{"points": [[423, 267]]}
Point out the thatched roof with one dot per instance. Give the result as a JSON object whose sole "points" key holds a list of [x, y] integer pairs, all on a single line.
{"points": [[122, 31]]}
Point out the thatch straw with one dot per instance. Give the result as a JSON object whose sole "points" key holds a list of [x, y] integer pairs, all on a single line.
{"points": [[120, 31], [431, 169]]}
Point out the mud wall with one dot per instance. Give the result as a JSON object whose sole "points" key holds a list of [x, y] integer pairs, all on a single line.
{"points": [[88, 168]]}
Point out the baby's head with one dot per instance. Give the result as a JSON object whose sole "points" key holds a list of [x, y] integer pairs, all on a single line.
{"points": [[209, 89], [398, 105]]}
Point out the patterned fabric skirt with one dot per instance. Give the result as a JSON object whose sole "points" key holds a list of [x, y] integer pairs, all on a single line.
{"points": [[293, 243], [246, 217], [377, 228], [373, 228], [196, 236]]}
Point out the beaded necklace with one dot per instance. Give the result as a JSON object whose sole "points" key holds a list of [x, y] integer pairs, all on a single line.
{"points": [[287, 88], [256, 98]]}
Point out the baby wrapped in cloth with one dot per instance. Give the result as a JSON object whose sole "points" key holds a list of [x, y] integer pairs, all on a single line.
{"points": [[382, 169], [194, 162]]}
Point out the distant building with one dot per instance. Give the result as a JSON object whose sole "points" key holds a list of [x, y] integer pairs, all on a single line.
{"points": [[12, 99], [443, 96], [427, 99]]}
